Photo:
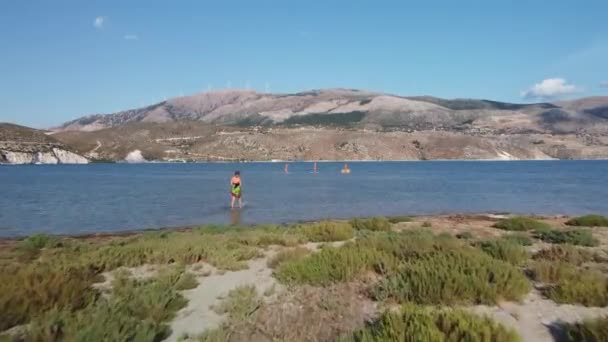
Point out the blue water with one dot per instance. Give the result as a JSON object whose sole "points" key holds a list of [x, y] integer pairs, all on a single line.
{"points": [[64, 199]]}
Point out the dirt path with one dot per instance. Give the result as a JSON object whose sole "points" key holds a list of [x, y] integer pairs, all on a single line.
{"points": [[198, 315], [536, 317]]}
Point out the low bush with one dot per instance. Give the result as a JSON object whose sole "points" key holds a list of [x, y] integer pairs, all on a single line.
{"points": [[414, 323], [578, 237], [399, 219], [290, 254], [240, 303], [587, 331], [327, 231], [564, 253], [373, 224], [426, 224], [550, 272], [518, 238], [589, 221], [136, 311], [505, 250], [186, 281], [465, 276], [521, 223], [586, 287], [330, 265], [32, 290]]}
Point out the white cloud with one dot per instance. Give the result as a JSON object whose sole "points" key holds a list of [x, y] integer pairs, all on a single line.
{"points": [[551, 88], [131, 37], [604, 84], [98, 22]]}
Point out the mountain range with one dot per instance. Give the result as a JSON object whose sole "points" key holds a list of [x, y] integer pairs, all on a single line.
{"points": [[336, 124]]}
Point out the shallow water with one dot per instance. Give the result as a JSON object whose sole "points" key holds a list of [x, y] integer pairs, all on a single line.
{"points": [[77, 199]]}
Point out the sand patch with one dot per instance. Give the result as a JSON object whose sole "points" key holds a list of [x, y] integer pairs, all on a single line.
{"points": [[198, 315], [536, 318]]}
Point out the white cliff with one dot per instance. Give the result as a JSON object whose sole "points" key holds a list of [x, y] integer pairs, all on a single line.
{"points": [[53, 156]]}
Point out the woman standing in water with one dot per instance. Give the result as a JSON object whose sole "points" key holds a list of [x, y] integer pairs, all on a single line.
{"points": [[235, 191]]}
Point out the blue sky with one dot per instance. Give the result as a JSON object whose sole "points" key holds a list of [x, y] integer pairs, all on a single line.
{"points": [[64, 59]]}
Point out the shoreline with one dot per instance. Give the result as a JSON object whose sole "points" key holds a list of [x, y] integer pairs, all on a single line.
{"points": [[312, 161], [103, 235]]}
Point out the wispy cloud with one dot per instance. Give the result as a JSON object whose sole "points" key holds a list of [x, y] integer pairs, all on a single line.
{"points": [[98, 22], [604, 84], [551, 88], [131, 37]]}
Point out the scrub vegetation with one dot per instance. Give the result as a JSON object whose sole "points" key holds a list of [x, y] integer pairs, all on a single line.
{"points": [[341, 279]]}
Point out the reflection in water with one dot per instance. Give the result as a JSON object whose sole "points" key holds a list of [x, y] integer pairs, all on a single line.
{"points": [[235, 216]]}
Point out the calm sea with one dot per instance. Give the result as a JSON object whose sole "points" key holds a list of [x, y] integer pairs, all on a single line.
{"points": [[66, 199]]}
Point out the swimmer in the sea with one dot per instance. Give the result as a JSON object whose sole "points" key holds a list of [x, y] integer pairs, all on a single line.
{"points": [[235, 189]]}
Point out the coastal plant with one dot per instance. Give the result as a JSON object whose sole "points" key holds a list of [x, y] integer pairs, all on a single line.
{"points": [[136, 310], [578, 237], [414, 323], [587, 331], [505, 250], [327, 231], [33, 289], [330, 265], [373, 224], [239, 303], [565, 253], [521, 223], [585, 287], [518, 238], [465, 276], [550, 272], [289, 254], [589, 221], [399, 219]]}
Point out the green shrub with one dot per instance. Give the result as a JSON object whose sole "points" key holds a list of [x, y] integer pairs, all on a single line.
{"points": [[587, 331], [31, 290], [454, 277], [38, 241], [505, 250], [328, 231], [374, 224], [240, 303], [186, 281], [518, 238], [426, 224], [589, 221], [399, 219], [521, 223], [579, 237], [330, 265], [288, 255], [550, 272], [564, 253], [137, 310], [421, 324], [586, 287]]}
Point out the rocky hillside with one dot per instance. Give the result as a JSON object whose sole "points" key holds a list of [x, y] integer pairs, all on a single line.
{"points": [[22, 145], [342, 124], [362, 110]]}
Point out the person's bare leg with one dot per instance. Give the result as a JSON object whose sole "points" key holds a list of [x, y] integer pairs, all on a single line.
{"points": [[232, 202], [240, 202]]}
